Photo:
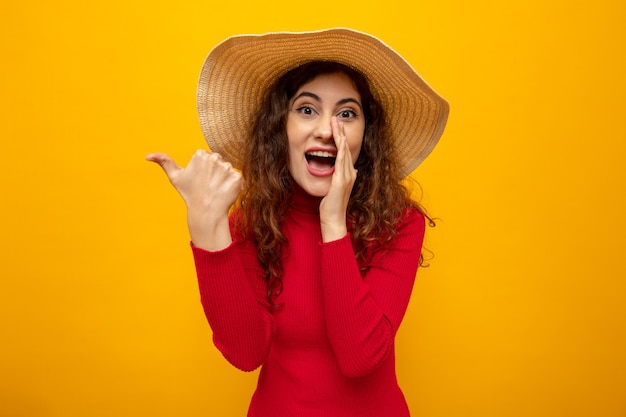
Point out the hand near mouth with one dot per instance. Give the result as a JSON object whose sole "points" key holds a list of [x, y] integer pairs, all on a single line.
{"points": [[334, 205]]}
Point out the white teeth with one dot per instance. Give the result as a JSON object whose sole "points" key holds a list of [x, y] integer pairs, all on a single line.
{"points": [[322, 154]]}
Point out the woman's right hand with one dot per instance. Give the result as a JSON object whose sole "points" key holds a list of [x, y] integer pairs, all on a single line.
{"points": [[209, 186]]}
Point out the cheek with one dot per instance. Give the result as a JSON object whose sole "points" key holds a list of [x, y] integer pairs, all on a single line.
{"points": [[291, 135], [355, 154], [355, 143], [294, 133], [294, 148]]}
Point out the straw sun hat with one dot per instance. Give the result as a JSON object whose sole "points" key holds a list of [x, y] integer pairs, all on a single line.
{"points": [[237, 73]]}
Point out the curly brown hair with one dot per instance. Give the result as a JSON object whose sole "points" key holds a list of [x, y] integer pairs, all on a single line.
{"points": [[378, 197]]}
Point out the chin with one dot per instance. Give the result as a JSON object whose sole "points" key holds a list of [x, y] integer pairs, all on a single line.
{"points": [[316, 190], [318, 193]]}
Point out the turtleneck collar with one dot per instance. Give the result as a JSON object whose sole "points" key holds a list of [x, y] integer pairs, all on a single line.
{"points": [[303, 202]]}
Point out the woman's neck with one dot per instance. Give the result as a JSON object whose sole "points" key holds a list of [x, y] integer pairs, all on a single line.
{"points": [[303, 202]]}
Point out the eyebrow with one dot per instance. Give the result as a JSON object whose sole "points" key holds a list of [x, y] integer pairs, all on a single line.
{"points": [[317, 98]]}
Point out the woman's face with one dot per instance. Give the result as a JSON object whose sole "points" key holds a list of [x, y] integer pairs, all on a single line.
{"points": [[312, 147]]}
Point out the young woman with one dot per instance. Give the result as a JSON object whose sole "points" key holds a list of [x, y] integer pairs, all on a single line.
{"points": [[306, 258]]}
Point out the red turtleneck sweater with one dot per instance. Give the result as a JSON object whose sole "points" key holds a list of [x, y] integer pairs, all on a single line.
{"points": [[328, 351]]}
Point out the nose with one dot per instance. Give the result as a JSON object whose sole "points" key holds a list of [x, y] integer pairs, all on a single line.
{"points": [[323, 129]]}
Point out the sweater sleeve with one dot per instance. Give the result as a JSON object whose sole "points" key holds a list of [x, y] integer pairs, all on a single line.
{"points": [[232, 296], [363, 313]]}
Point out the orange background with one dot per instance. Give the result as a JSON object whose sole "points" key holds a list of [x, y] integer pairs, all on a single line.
{"points": [[522, 310]]}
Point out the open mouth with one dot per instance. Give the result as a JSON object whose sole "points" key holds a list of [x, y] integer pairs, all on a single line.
{"points": [[320, 160]]}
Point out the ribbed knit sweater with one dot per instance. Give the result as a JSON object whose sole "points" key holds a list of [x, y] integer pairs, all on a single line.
{"points": [[328, 350]]}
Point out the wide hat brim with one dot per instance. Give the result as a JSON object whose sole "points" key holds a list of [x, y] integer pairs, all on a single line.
{"points": [[237, 73]]}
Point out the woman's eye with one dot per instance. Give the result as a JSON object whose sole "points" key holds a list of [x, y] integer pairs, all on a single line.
{"points": [[306, 110], [347, 114]]}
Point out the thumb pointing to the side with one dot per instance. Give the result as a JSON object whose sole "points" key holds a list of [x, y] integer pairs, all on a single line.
{"points": [[166, 162]]}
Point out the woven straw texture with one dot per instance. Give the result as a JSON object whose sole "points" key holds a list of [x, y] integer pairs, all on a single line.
{"points": [[238, 71]]}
